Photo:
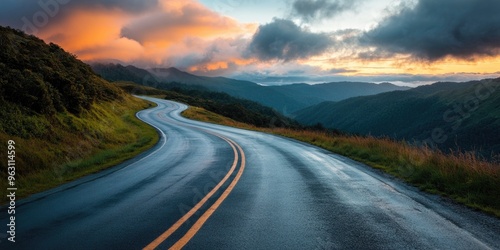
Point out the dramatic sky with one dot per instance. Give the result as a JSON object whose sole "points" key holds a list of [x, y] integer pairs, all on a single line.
{"points": [[272, 42]]}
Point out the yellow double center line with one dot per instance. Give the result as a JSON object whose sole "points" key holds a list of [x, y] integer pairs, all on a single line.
{"points": [[203, 218]]}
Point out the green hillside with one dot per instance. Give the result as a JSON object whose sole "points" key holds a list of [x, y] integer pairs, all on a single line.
{"points": [[458, 116], [239, 110], [45, 79], [65, 120]]}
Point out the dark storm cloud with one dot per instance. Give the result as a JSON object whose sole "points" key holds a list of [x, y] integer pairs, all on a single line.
{"points": [[318, 9], [17, 13], [433, 30], [284, 40]]}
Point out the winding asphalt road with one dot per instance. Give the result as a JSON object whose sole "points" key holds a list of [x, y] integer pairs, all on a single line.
{"points": [[206, 186]]}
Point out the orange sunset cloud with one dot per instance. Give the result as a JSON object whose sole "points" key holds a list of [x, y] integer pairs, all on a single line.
{"points": [[93, 35], [193, 35], [175, 29]]}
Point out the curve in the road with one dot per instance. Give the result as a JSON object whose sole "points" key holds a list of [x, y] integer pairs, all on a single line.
{"points": [[290, 195], [199, 223]]}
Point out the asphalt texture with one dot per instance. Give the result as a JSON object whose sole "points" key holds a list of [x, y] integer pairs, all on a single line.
{"points": [[291, 195]]}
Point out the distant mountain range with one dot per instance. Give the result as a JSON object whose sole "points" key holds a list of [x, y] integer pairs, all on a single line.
{"points": [[285, 99], [462, 116], [334, 91], [448, 115]]}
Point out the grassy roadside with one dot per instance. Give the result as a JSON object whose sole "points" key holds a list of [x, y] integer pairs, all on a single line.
{"points": [[461, 177], [70, 146]]}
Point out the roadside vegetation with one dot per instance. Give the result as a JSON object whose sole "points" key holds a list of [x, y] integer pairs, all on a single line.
{"points": [[461, 176], [65, 120], [56, 149]]}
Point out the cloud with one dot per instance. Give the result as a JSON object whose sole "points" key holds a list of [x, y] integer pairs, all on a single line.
{"points": [[178, 20], [284, 40], [341, 70], [309, 10], [42, 13], [93, 35], [122, 49], [150, 33], [132, 6], [433, 30], [216, 57]]}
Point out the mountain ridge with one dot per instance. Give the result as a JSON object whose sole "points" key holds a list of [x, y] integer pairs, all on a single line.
{"points": [[457, 116], [282, 98]]}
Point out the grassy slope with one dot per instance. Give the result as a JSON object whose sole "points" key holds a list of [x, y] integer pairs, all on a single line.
{"points": [[104, 136], [66, 121], [462, 177]]}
